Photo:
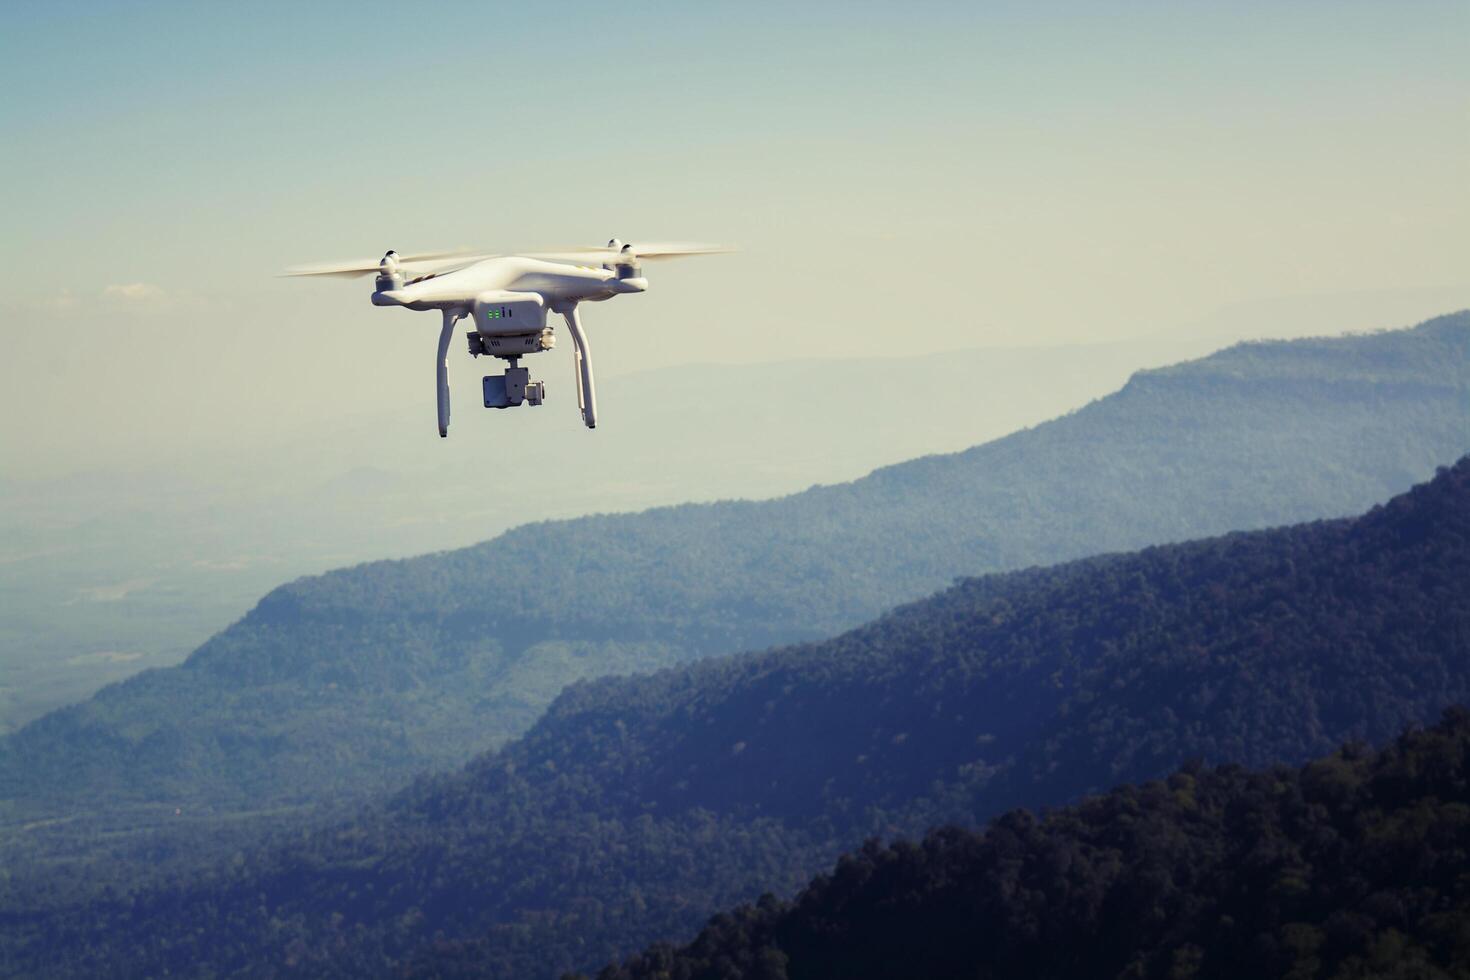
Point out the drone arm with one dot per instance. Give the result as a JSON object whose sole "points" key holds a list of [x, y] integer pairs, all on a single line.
{"points": [[441, 369], [586, 393]]}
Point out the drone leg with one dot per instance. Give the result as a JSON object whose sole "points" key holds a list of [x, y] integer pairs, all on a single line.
{"points": [[586, 393], [441, 367], [577, 377]]}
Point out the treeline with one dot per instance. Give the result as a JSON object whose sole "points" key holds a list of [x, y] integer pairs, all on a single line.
{"points": [[638, 806], [1355, 866]]}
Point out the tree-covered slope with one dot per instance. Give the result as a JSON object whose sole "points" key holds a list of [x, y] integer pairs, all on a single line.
{"points": [[636, 806], [1355, 866], [355, 679]]}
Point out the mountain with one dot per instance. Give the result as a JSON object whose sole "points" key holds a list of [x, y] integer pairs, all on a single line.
{"points": [[118, 568], [1352, 866], [637, 806], [356, 679]]}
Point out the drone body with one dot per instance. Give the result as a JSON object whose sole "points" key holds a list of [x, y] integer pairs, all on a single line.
{"points": [[507, 298]]}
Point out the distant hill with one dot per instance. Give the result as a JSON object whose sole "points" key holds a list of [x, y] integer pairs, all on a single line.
{"points": [[1353, 866], [355, 680], [199, 541], [637, 806]]}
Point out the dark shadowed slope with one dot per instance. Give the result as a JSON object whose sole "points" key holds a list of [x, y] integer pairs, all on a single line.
{"points": [[356, 679], [1355, 866], [637, 806]]}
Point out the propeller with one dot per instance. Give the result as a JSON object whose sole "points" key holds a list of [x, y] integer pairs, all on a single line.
{"points": [[388, 263], [615, 252], [612, 254]]}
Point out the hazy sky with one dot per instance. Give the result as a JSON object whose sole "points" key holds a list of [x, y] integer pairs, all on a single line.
{"points": [[900, 177]]}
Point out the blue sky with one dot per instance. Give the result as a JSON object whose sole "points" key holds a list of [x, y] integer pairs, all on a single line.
{"points": [[271, 127]]}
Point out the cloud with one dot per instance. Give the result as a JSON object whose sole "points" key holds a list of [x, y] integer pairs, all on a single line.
{"points": [[138, 292]]}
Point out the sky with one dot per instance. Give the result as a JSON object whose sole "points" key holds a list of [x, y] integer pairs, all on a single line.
{"points": [[899, 178]]}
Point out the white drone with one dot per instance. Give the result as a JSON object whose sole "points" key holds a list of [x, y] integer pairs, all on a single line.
{"points": [[508, 297]]}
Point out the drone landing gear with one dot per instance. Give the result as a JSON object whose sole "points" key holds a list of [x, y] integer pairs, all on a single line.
{"points": [[441, 369], [586, 393]]}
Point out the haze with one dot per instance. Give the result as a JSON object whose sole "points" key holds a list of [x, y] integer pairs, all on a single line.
{"points": [[1154, 181], [1040, 545]]}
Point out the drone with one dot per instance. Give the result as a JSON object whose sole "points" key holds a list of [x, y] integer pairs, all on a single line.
{"points": [[507, 297]]}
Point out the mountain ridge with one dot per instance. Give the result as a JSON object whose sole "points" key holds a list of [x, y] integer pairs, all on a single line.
{"points": [[409, 664], [636, 806]]}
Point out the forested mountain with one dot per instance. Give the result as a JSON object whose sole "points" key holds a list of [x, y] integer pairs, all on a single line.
{"points": [[146, 561], [353, 680], [1355, 866], [637, 806]]}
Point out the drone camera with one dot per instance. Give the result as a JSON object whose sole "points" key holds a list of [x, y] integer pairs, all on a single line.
{"points": [[513, 388]]}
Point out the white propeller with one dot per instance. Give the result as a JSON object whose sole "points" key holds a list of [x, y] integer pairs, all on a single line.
{"points": [[615, 251], [362, 267], [610, 254]]}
